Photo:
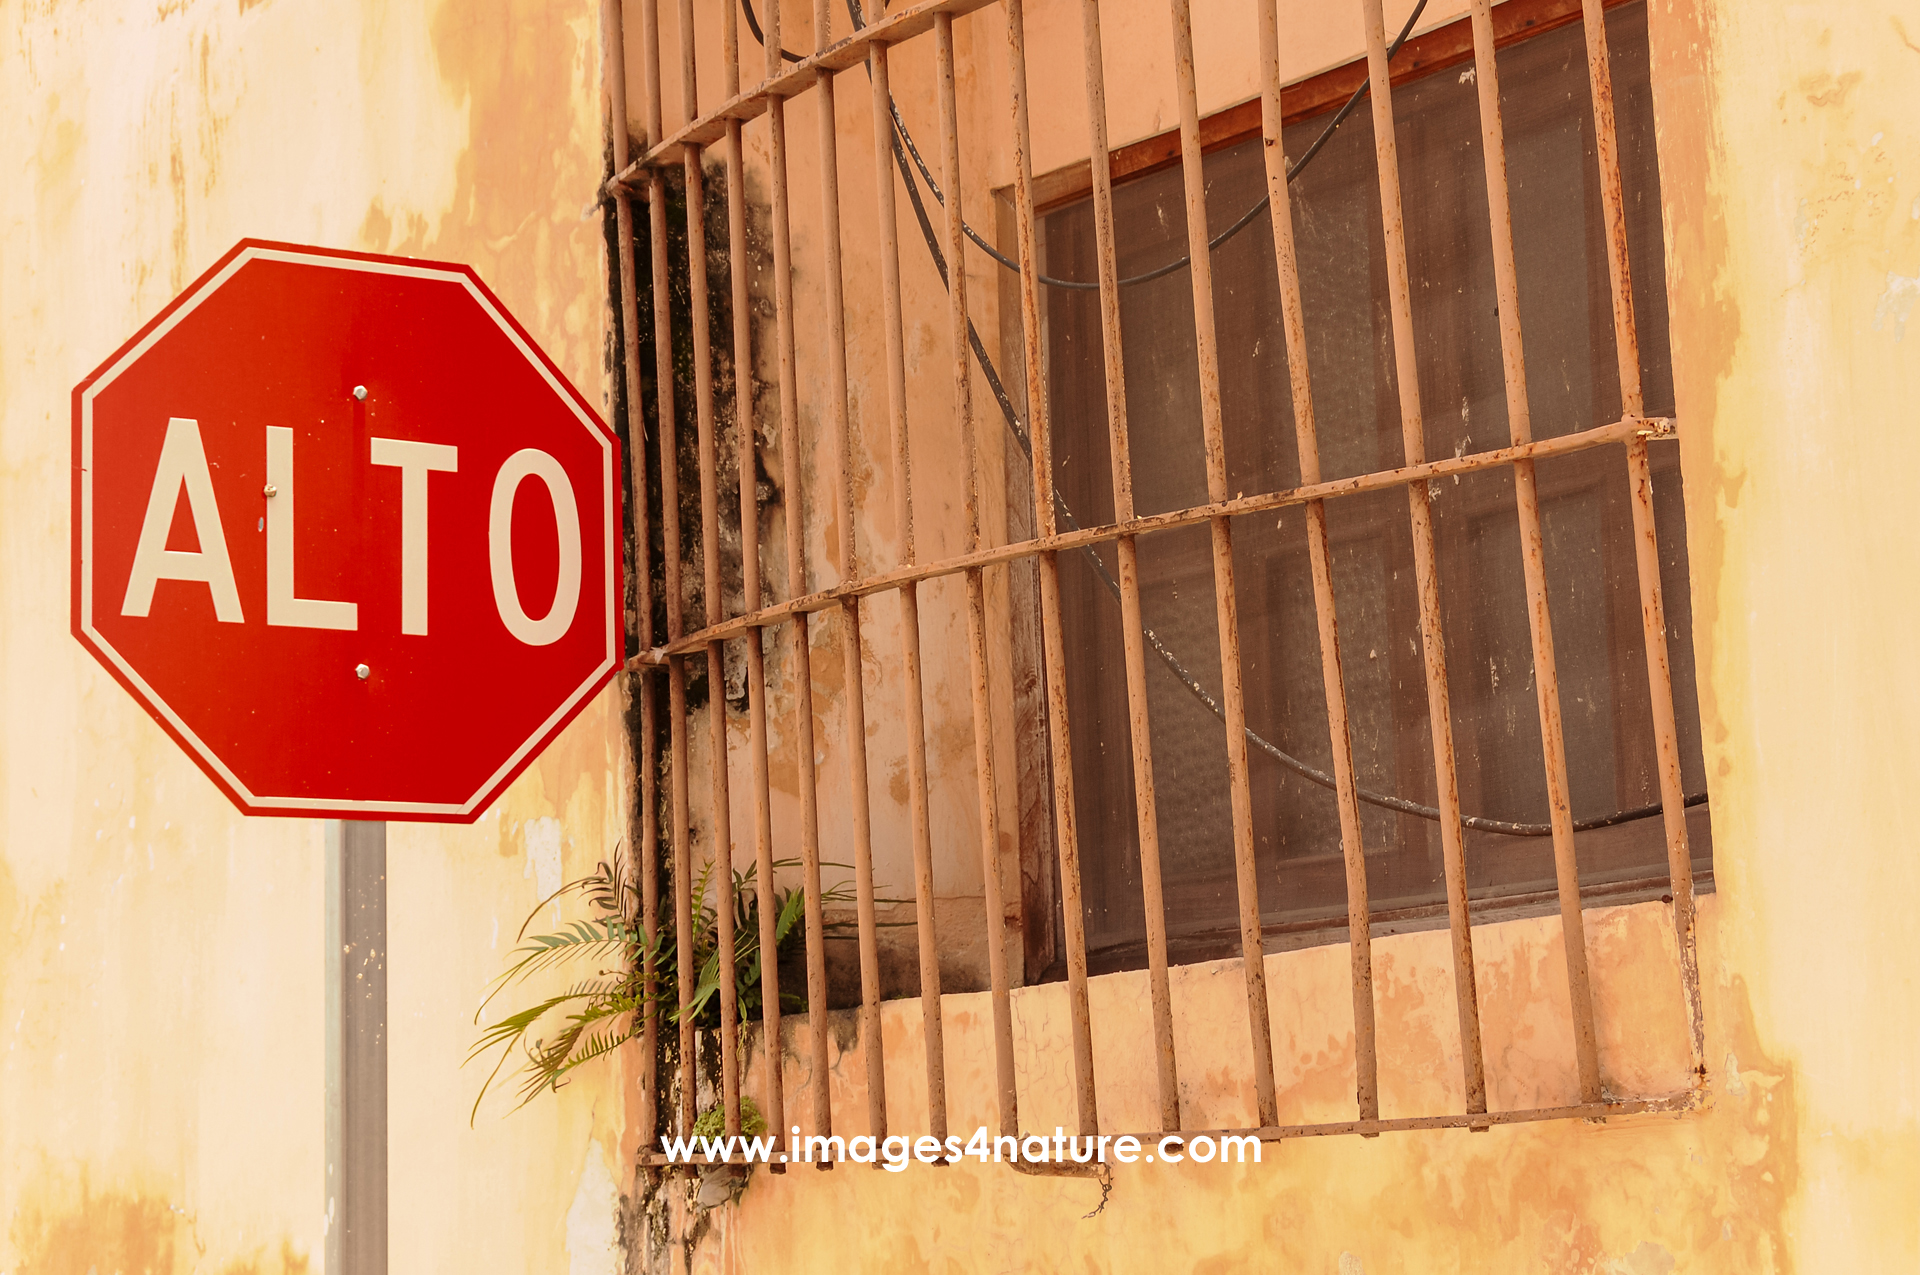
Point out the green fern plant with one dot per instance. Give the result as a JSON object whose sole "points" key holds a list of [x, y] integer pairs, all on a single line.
{"points": [[595, 1015]]}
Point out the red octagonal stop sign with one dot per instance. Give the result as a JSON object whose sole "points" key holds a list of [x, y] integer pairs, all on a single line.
{"points": [[346, 533]]}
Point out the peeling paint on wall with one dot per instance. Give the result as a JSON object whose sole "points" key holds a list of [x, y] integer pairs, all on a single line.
{"points": [[1896, 303], [542, 837], [592, 1241], [65, 1226], [166, 1043]]}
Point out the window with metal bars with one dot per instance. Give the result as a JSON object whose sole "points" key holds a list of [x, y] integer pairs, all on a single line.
{"points": [[1586, 523], [1301, 500]]}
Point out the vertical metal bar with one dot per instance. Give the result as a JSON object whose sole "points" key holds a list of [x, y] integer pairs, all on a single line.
{"points": [[649, 890], [794, 494], [1526, 492], [677, 722], [1226, 603], [670, 535], [356, 1138], [743, 420], [1413, 439], [1333, 680], [1054, 652], [722, 812], [770, 45], [956, 265], [855, 691], [689, 68], [929, 941], [1653, 619], [1613, 214], [647, 866], [1131, 625]]}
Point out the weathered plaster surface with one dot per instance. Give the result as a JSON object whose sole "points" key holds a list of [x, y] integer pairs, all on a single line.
{"points": [[1706, 1191], [161, 1073], [1791, 189]]}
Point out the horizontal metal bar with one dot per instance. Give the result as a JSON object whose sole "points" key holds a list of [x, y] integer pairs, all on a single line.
{"points": [[1619, 431], [843, 55], [1668, 1103]]}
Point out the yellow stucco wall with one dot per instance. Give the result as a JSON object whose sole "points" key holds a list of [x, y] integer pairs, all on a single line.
{"points": [[161, 1076], [1793, 227]]}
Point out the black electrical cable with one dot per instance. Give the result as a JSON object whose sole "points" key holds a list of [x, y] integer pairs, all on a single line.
{"points": [[1302, 768]]}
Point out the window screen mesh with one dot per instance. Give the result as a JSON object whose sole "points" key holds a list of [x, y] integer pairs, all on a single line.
{"points": [[1572, 384]]}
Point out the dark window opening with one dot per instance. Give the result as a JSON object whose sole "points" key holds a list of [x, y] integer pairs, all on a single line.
{"points": [[1572, 385]]}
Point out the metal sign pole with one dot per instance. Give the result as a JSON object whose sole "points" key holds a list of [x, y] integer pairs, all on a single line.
{"points": [[356, 1217]]}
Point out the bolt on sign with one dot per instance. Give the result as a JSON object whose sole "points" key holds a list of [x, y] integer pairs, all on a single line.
{"points": [[347, 534]]}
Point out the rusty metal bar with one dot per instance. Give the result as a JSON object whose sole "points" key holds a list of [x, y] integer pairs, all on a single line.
{"points": [[781, 84], [1167, 1074], [1613, 213], [646, 861], [819, 1039], [1653, 622], [1007, 1095], [676, 699], [722, 811], [1620, 431], [918, 814], [743, 422], [846, 553], [676, 709], [1065, 819], [1226, 601], [1332, 677], [770, 50], [1532, 545], [1653, 619], [1413, 436], [670, 565], [689, 69]]}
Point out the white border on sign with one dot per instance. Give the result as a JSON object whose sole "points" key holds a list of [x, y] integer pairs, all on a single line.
{"points": [[186, 307]]}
